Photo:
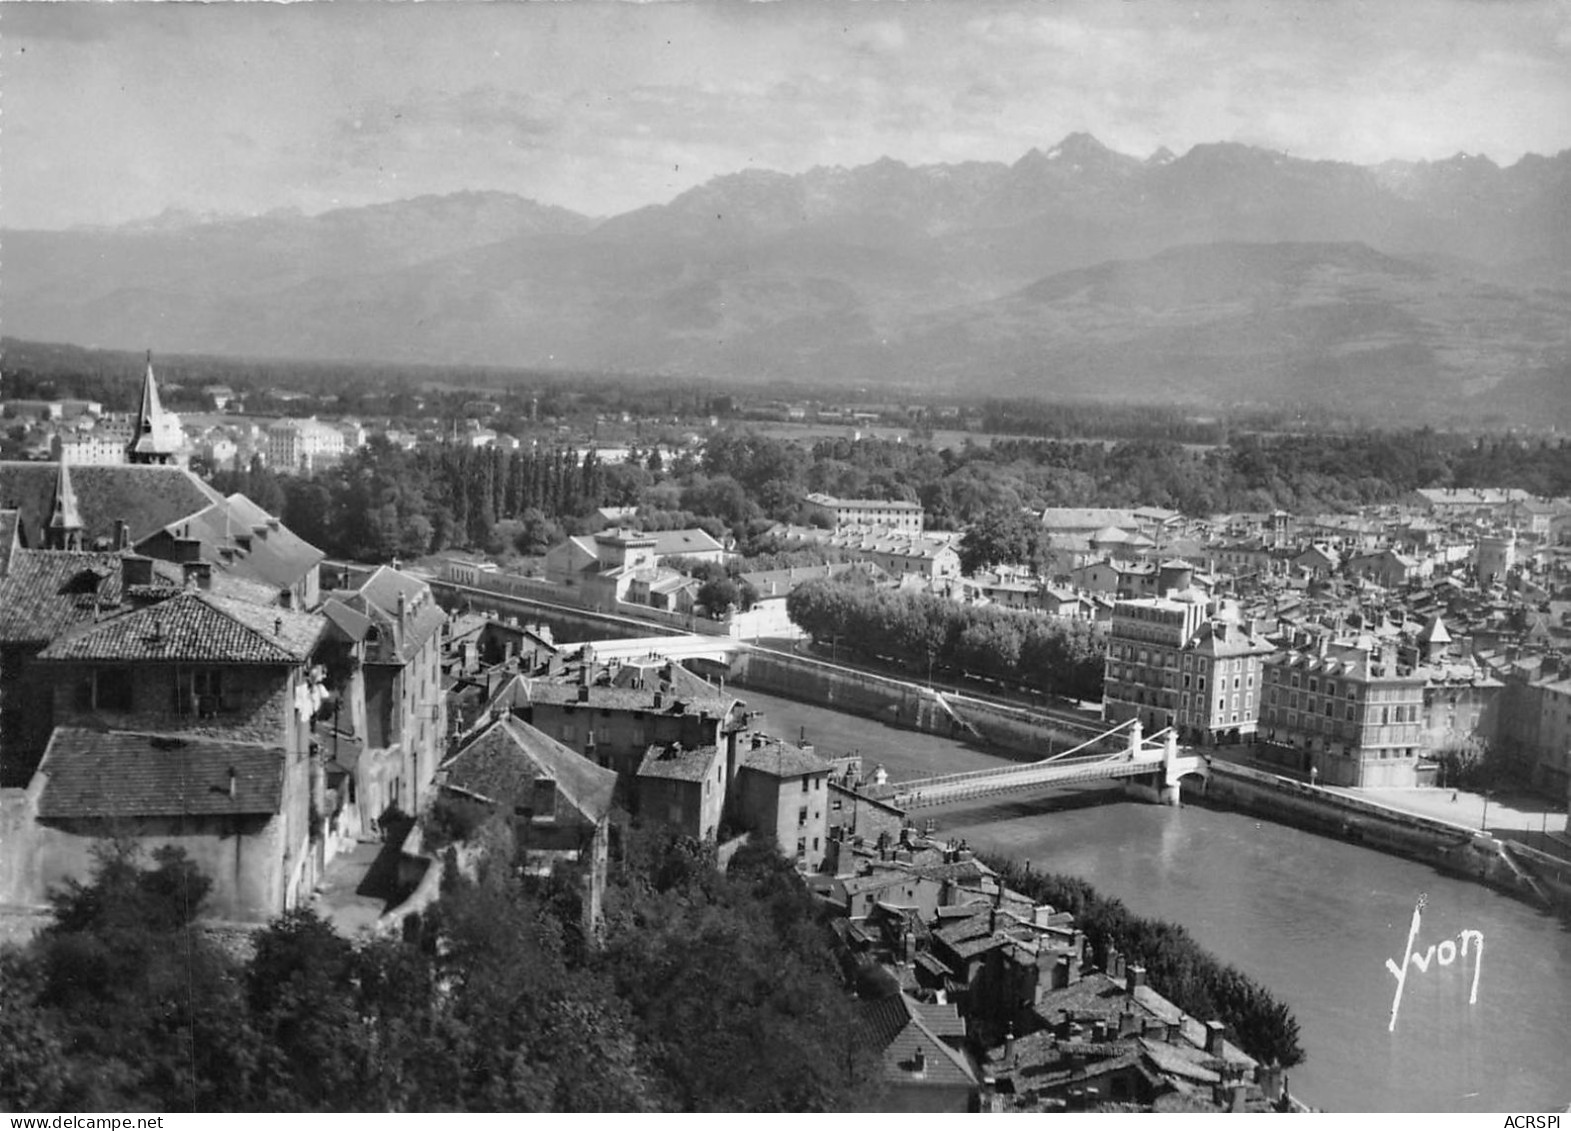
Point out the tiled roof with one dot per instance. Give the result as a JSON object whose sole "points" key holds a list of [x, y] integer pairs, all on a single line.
{"points": [[196, 627], [45, 592], [602, 697], [677, 763], [503, 762], [239, 537], [898, 1027], [116, 774], [350, 622], [781, 759], [680, 542], [147, 497], [377, 598]]}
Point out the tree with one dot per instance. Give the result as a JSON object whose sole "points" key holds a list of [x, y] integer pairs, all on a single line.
{"points": [[721, 594], [1004, 536]]}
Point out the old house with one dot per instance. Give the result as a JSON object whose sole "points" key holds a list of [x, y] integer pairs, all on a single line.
{"points": [[556, 802], [179, 719], [393, 702]]}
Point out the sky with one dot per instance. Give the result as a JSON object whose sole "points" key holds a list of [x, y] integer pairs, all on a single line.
{"points": [[117, 112]]}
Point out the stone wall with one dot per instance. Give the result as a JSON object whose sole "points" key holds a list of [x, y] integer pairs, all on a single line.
{"points": [[1451, 848], [1019, 731]]}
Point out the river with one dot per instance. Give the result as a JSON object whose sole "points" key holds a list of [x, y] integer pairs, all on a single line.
{"points": [[1312, 919]]}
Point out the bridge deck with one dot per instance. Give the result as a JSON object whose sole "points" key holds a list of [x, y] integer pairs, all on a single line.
{"points": [[942, 790]]}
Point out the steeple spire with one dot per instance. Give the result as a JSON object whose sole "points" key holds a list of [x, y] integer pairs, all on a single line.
{"points": [[149, 442], [64, 531]]}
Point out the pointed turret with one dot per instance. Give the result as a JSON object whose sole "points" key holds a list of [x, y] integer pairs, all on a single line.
{"points": [[1434, 638], [64, 531], [150, 443]]}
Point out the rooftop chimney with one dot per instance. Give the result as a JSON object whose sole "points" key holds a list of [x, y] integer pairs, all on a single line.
{"points": [[197, 574], [135, 570], [1136, 977], [122, 539], [1215, 1031], [583, 693], [233, 779]]}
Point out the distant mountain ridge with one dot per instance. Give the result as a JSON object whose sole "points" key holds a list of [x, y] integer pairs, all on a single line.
{"points": [[1072, 267]]}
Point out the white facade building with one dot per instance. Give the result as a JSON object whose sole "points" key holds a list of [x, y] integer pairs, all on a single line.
{"points": [[303, 445]]}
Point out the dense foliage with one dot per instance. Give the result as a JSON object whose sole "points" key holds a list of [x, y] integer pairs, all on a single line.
{"points": [[926, 633], [712, 992], [1176, 966], [385, 501]]}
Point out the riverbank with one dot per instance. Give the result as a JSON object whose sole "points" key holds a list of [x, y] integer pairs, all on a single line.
{"points": [[1455, 848]]}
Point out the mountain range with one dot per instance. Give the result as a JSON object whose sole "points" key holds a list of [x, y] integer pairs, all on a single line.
{"points": [[1228, 274]]}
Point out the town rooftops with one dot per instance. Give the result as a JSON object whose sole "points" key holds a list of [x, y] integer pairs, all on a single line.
{"points": [[670, 543], [675, 762], [196, 627], [398, 605], [914, 1050], [779, 759], [92, 773], [240, 538], [147, 497], [502, 763]]}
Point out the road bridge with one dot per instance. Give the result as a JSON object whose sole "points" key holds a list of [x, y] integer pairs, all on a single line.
{"points": [[1157, 762], [685, 647]]}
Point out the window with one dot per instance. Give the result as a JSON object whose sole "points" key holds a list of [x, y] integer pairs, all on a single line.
{"points": [[801, 815], [804, 785], [1221, 703], [801, 846], [1329, 708], [1235, 683], [544, 799], [1349, 712], [112, 689], [1186, 680], [1201, 683]]}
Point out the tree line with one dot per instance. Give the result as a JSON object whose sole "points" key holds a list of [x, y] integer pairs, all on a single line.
{"points": [[711, 992], [1177, 967], [928, 634]]}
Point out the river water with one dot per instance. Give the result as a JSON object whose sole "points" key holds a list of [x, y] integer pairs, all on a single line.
{"points": [[1312, 919]]}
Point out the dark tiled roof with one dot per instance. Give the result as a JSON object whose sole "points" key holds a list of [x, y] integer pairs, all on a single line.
{"points": [[376, 598], [679, 542], [503, 762], [781, 759], [196, 627], [620, 698], [678, 763], [148, 497], [898, 1027], [116, 774], [47, 591], [238, 538]]}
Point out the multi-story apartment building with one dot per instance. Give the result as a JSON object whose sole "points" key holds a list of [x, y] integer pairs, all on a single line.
{"points": [[1186, 663], [396, 708], [895, 514], [180, 720], [303, 445], [1355, 714], [614, 716], [781, 789]]}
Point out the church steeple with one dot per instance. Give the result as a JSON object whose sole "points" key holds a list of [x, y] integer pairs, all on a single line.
{"points": [[150, 441], [64, 531]]}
